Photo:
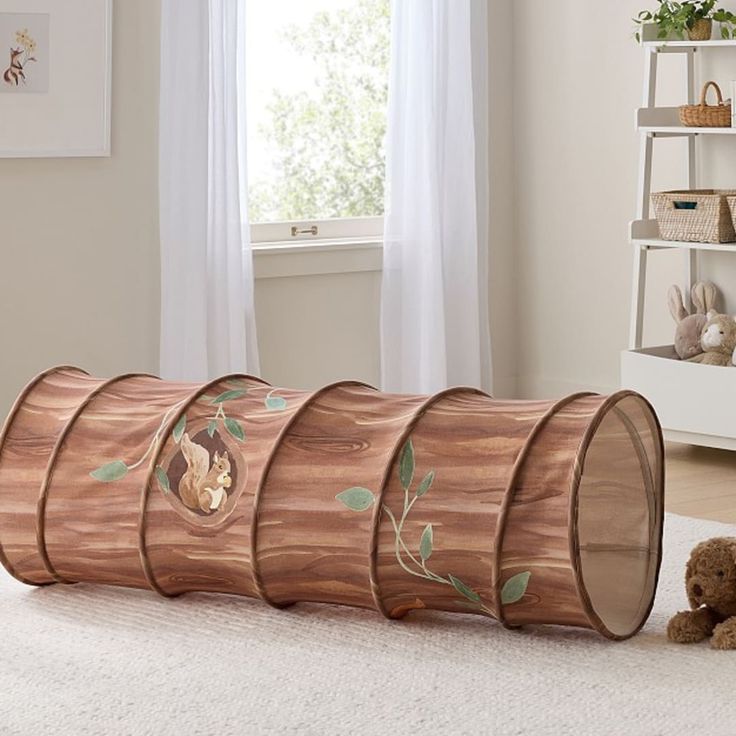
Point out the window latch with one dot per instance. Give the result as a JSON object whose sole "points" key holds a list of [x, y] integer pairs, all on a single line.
{"points": [[295, 230]]}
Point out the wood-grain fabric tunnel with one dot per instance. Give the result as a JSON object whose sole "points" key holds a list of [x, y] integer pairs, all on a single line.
{"points": [[530, 512]]}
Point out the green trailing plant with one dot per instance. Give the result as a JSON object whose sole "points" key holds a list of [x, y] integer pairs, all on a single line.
{"points": [[676, 19]]}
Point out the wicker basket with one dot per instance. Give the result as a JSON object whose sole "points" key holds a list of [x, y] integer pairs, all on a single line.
{"points": [[704, 115], [731, 200], [698, 216]]}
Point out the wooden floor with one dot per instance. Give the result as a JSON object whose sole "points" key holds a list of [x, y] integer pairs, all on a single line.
{"points": [[701, 482]]}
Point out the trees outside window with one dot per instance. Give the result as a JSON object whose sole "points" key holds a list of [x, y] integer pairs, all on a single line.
{"points": [[317, 97]]}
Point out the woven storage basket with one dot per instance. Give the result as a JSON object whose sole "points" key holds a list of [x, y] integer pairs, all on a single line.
{"points": [[704, 115], [731, 200], [698, 216]]}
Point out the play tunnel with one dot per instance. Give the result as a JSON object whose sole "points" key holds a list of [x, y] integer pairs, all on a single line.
{"points": [[528, 512]]}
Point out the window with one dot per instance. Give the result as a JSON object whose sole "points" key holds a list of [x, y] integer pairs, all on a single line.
{"points": [[317, 86]]}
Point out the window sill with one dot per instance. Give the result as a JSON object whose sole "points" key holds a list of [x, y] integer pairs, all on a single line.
{"points": [[317, 257]]}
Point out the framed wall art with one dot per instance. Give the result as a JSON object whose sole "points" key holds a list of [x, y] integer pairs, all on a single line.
{"points": [[55, 78]]}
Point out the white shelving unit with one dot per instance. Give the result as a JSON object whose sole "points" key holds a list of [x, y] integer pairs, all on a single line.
{"points": [[694, 402]]}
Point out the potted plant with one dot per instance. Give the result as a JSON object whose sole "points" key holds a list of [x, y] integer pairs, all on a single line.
{"points": [[689, 20]]}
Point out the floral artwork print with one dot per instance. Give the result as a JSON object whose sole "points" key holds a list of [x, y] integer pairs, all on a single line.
{"points": [[24, 52], [20, 56], [417, 562]]}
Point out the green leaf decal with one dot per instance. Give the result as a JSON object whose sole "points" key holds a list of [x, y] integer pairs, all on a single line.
{"points": [[235, 428], [181, 425], [357, 498], [212, 427], [406, 465], [234, 393], [514, 588], [425, 543], [426, 484], [110, 472], [460, 587], [275, 403], [163, 479]]}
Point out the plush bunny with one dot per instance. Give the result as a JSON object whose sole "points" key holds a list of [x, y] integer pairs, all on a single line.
{"points": [[689, 328], [718, 340]]}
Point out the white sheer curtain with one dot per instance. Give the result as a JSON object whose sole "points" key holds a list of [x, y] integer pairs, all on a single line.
{"points": [[207, 316], [434, 321]]}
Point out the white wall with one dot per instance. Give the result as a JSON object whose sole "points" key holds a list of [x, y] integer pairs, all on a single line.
{"points": [[316, 329], [578, 77], [79, 262]]}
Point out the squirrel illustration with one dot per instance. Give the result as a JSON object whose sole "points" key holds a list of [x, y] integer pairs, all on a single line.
{"points": [[202, 487], [14, 73]]}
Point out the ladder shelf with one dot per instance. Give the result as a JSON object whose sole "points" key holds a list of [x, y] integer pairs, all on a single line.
{"points": [[688, 397]]}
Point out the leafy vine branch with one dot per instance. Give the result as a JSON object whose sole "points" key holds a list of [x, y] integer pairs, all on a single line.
{"points": [[358, 498], [118, 469]]}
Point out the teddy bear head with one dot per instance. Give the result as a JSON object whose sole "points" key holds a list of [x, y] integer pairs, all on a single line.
{"points": [[710, 578], [719, 334]]}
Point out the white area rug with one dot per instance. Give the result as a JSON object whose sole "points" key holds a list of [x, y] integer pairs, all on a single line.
{"points": [[94, 660]]}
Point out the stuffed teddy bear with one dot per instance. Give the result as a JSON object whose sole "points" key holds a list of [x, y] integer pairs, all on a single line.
{"points": [[710, 582], [718, 340], [705, 298]]}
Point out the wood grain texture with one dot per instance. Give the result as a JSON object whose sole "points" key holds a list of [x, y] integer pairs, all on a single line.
{"points": [[441, 519], [31, 432], [311, 548], [83, 514], [469, 442], [536, 537]]}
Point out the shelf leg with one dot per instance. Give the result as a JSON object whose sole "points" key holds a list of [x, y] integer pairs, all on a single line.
{"points": [[638, 284], [692, 170], [692, 271], [691, 77], [692, 174], [646, 145], [650, 77]]}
